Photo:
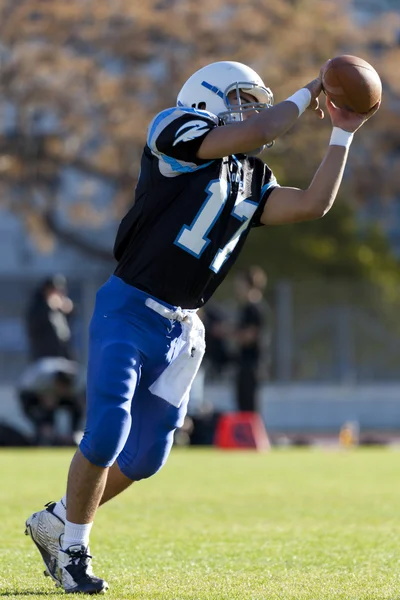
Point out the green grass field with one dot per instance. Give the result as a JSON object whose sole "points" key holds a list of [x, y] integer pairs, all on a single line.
{"points": [[290, 524]]}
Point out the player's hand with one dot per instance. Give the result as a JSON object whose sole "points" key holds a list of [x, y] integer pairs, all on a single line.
{"points": [[348, 120], [315, 87]]}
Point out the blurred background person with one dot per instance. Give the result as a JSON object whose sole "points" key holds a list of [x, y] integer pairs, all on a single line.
{"points": [[217, 331], [51, 394], [47, 320], [253, 321]]}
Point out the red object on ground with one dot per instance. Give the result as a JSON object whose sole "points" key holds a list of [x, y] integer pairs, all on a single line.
{"points": [[241, 430]]}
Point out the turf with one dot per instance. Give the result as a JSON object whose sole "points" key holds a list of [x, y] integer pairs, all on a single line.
{"points": [[290, 524]]}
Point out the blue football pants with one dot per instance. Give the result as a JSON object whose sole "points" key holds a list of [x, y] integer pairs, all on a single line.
{"points": [[130, 345]]}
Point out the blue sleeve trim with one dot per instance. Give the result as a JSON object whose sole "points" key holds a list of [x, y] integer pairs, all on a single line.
{"points": [[156, 122], [271, 184], [178, 167]]}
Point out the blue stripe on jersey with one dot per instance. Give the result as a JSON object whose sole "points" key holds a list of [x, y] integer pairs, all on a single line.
{"points": [[178, 167], [156, 121], [272, 183]]}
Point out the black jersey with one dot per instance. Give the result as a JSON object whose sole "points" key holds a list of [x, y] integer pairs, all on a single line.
{"points": [[191, 217]]}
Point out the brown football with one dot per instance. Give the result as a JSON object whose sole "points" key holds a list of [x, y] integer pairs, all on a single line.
{"points": [[352, 83]]}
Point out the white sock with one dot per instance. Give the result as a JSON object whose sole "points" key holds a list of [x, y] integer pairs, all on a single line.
{"points": [[76, 535], [60, 509]]}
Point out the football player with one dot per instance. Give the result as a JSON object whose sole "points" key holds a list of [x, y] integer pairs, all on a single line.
{"points": [[200, 191]]}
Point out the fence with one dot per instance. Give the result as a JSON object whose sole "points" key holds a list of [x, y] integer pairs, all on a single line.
{"points": [[337, 332], [321, 331]]}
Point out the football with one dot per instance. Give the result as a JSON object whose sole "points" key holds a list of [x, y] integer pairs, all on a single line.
{"points": [[352, 83]]}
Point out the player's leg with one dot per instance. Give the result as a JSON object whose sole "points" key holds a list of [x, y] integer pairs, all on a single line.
{"points": [[150, 440], [117, 482], [160, 345], [154, 419], [113, 372]]}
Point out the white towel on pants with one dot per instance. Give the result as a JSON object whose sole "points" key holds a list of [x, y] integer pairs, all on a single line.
{"points": [[175, 381]]}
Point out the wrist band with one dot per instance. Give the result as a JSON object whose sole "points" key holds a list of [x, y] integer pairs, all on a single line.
{"points": [[301, 99], [340, 137]]}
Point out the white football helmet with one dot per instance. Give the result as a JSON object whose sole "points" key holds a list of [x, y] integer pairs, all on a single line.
{"points": [[208, 89]]}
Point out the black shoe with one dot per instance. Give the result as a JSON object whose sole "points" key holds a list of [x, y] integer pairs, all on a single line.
{"points": [[75, 572]]}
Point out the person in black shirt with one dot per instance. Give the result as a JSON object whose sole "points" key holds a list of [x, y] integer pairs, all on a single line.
{"points": [[201, 190], [47, 320], [249, 286], [217, 333]]}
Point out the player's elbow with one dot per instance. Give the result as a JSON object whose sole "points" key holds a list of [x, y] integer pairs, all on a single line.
{"points": [[319, 211], [318, 206]]}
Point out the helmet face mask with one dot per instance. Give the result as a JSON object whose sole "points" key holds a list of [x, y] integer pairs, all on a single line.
{"points": [[235, 112], [209, 89]]}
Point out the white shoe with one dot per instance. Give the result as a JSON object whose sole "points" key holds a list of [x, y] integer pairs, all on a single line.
{"points": [[75, 572], [45, 529]]}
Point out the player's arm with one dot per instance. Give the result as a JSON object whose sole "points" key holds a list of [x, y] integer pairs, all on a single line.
{"points": [[263, 128], [291, 205]]}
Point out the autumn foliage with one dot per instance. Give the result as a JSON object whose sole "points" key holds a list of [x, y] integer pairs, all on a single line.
{"points": [[80, 80]]}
